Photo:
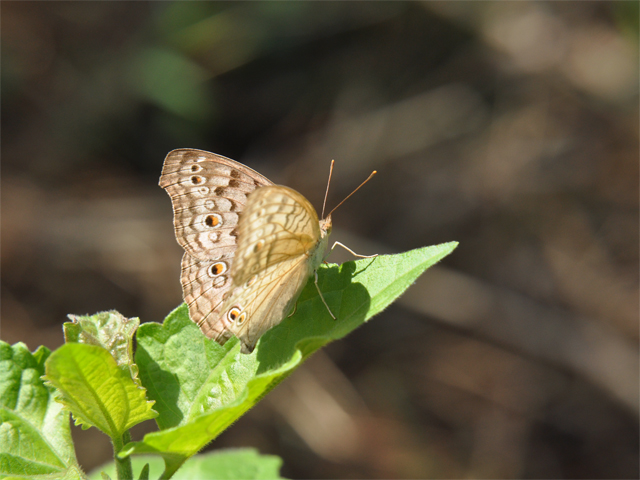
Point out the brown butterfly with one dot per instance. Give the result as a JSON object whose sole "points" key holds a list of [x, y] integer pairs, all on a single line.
{"points": [[250, 245]]}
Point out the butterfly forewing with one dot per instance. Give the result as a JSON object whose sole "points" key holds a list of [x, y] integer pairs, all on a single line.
{"points": [[277, 224], [208, 193], [278, 239]]}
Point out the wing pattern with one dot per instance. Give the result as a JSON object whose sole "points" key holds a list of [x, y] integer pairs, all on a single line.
{"points": [[208, 193], [278, 234]]}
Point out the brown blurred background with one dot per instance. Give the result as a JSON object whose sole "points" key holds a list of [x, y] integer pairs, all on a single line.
{"points": [[511, 127]]}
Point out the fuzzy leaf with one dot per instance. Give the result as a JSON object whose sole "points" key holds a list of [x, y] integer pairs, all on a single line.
{"points": [[245, 463], [201, 387], [35, 439], [110, 330], [96, 390]]}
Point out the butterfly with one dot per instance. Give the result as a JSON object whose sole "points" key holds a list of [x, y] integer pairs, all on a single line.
{"points": [[250, 245]]}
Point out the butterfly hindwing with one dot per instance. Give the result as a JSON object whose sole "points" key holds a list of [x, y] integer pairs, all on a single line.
{"points": [[204, 284]]}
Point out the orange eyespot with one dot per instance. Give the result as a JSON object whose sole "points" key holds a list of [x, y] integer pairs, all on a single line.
{"points": [[196, 180], [258, 246], [242, 318], [217, 269], [212, 220], [233, 314]]}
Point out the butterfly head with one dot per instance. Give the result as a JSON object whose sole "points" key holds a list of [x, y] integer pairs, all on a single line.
{"points": [[325, 227]]}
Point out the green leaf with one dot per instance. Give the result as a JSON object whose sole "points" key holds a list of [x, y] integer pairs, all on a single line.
{"points": [[201, 387], [244, 463], [35, 438], [144, 473], [96, 390], [110, 330]]}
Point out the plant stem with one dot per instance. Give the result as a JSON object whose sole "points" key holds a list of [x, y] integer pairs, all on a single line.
{"points": [[123, 465]]}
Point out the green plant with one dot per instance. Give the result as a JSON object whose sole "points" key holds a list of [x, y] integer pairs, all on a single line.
{"points": [[193, 387]]}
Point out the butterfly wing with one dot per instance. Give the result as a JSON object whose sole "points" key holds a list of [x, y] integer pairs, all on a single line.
{"points": [[208, 192], [270, 299], [280, 244]]}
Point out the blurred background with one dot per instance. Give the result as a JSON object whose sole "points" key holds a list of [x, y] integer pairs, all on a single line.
{"points": [[511, 127]]}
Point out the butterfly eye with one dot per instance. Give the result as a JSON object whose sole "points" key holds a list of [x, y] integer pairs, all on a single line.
{"points": [[241, 318], [196, 168], [213, 220], [196, 180]]}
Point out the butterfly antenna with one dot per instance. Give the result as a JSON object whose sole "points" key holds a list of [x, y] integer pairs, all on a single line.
{"points": [[360, 186], [326, 194]]}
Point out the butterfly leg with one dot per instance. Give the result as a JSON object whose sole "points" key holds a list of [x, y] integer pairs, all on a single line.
{"points": [[320, 293], [350, 251]]}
